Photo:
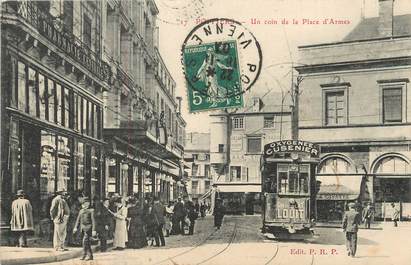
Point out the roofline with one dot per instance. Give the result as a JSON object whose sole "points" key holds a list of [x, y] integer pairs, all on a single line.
{"points": [[353, 41]]}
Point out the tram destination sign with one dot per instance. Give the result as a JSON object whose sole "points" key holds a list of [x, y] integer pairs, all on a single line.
{"points": [[291, 146]]}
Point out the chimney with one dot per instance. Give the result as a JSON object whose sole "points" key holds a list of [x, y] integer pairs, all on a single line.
{"points": [[385, 19]]}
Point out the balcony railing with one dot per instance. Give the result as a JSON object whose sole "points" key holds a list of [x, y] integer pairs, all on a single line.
{"points": [[48, 27], [125, 78]]}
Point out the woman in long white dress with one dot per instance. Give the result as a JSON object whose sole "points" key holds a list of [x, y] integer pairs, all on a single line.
{"points": [[120, 232]]}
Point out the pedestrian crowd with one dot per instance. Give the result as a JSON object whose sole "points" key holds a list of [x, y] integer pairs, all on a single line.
{"points": [[130, 223]]}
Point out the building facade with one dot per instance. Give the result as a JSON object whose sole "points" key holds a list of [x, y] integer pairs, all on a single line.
{"points": [[236, 144], [197, 158], [52, 101], [88, 104], [142, 119], [355, 104]]}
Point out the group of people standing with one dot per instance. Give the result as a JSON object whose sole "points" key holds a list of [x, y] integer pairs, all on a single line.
{"points": [[130, 223]]}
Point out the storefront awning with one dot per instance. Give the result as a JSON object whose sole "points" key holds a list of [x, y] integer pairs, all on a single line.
{"points": [[239, 188], [339, 187]]}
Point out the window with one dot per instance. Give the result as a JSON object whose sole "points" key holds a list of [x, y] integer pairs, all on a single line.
{"points": [[293, 178], [269, 122], [51, 90], [84, 119], [254, 145], [87, 31], [335, 108], [235, 173], [392, 104], [42, 97], [335, 165], [194, 187], [206, 185], [63, 163], [238, 123], [21, 83], [221, 148], [194, 170], [207, 171], [68, 16], [80, 166], [66, 108], [32, 89], [59, 100]]}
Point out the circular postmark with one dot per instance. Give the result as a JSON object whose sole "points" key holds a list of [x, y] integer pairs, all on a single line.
{"points": [[222, 59]]}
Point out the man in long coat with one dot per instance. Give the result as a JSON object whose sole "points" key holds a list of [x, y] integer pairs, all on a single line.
{"points": [[21, 218], [179, 216], [59, 213], [351, 221], [158, 211]]}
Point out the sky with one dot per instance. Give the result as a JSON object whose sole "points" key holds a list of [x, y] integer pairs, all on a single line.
{"points": [[279, 42]]}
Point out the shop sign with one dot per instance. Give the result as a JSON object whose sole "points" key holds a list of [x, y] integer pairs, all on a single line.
{"points": [[290, 208], [291, 146], [333, 196]]}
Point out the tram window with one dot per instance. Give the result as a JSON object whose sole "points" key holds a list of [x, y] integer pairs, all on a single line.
{"points": [[293, 182], [293, 179], [303, 181], [283, 177]]}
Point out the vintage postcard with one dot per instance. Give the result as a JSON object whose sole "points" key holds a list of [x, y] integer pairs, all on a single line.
{"points": [[188, 132]]}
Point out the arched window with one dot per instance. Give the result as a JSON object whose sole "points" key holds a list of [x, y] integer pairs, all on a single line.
{"points": [[392, 165], [335, 165]]}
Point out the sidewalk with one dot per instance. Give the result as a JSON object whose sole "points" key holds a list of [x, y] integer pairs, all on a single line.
{"points": [[34, 255], [374, 225]]}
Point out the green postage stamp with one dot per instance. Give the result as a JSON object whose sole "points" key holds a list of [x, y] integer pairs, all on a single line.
{"points": [[222, 60], [213, 76]]}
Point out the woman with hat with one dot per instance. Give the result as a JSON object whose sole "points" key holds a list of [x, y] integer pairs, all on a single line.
{"points": [[120, 232], [21, 218], [136, 234]]}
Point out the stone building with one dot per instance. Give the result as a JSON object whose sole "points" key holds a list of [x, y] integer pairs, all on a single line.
{"points": [[236, 143], [52, 83], [87, 104], [355, 104], [142, 118], [197, 157]]}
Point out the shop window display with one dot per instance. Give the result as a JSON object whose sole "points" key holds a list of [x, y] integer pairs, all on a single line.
{"points": [[80, 166], [63, 163], [47, 168]]}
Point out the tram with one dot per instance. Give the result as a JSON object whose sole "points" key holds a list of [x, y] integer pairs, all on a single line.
{"points": [[289, 188]]}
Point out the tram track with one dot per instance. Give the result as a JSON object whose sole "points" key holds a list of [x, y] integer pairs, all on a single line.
{"points": [[200, 243], [273, 256], [231, 240]]}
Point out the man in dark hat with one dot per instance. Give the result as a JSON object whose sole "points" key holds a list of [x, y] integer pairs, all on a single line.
{"points": [[218, 212], [179, 216], [368, 213], [351, 221], [21, 218], [158, 211], [59, 213], [103, 221], [87, 224]]}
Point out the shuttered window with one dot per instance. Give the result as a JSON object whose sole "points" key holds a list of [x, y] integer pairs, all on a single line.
{"points": [[254, 145], [392, 104], [335, 113]]}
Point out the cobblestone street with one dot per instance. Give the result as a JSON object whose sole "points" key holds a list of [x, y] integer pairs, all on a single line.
{"points": [[209, 246]]}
